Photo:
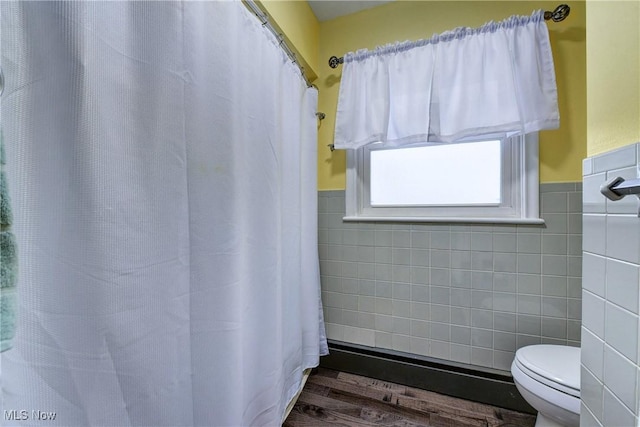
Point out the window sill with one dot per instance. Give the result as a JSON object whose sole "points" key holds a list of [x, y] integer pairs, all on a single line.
{"points": [[468, 220]]}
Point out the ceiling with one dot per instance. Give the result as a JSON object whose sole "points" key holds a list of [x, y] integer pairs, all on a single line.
{"points": [[329, 9]]}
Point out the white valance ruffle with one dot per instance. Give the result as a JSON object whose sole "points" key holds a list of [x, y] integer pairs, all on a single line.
{"points": [[498, 78]]}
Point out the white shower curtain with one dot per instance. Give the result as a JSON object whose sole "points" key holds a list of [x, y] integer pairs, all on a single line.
{"points": [[162, 166]]}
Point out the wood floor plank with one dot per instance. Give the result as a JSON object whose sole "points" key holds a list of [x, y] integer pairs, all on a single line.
{"points": [[331, 418], [371, 382], [316, 388], [415, 393], [326, 403], [377, 414], [365, 402], [504, 416], [332, 398], [398, 399]]}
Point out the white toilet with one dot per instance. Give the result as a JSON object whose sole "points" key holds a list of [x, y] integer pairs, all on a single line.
{"points": [[548, 377]]}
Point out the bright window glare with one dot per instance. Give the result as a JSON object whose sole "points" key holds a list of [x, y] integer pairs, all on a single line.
{"points": [[437, 175]]}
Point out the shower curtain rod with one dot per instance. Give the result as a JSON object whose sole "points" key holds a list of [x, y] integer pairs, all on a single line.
{"points": [[264, 18], [559, 14]]}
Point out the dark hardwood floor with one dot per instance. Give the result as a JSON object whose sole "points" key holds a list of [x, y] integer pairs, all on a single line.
{"points": [[332, 398]]}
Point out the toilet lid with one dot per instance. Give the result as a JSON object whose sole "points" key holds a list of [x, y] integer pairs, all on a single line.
{"points": [[557, 366]]}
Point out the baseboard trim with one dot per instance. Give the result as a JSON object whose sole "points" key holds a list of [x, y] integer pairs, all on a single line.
{"points": [[489, 386]]}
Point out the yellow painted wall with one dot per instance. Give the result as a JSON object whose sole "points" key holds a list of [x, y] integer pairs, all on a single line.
{"points": [[613, 75], [561, 151], [296, 21]]}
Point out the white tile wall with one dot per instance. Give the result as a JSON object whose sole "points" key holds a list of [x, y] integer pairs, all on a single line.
{"points": [[465, 293], [610, 382]]}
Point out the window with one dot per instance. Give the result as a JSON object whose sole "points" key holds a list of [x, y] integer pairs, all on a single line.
{"points": [[491, 180]]}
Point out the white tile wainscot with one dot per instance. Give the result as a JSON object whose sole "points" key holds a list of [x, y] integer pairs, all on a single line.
{"points": [[465, 293], [610, 381]]}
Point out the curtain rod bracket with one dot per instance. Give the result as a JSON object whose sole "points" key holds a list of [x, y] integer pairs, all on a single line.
{"points": [[559, 14], [334, 61]]}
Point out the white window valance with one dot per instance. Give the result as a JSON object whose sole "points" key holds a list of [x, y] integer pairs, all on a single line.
{"points": [[496, 79]]}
